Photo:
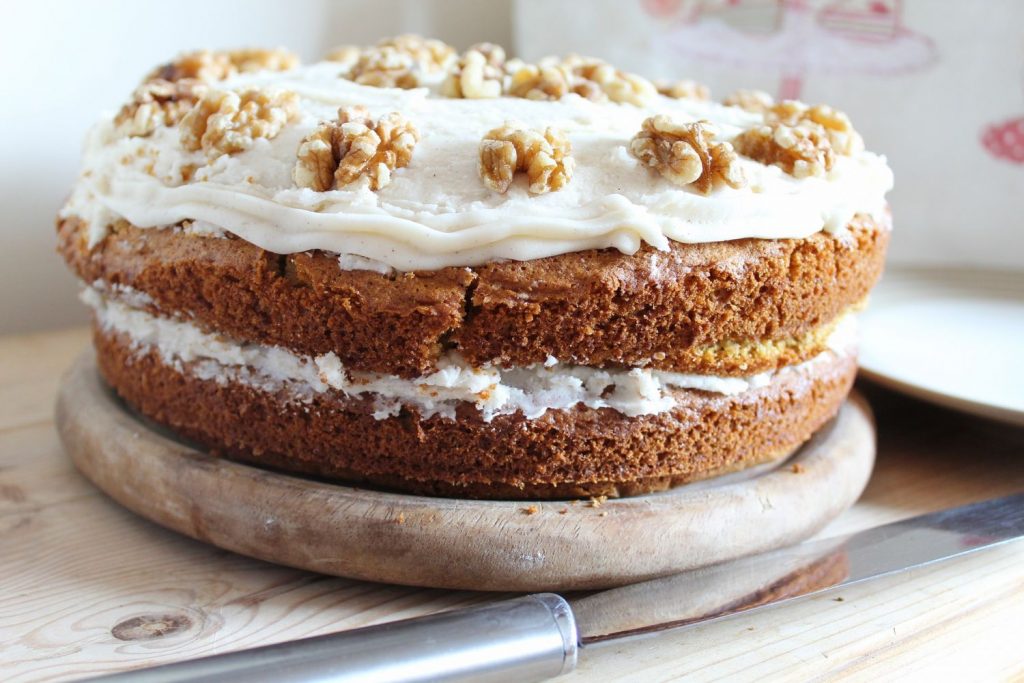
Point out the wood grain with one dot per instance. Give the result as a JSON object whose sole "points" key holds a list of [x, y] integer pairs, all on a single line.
{"points": [[462, 544], [78, 572]]}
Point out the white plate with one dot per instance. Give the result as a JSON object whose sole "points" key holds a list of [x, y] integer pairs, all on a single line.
{"points": [[953, 337]]}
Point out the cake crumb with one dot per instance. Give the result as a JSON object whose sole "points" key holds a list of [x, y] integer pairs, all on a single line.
{"points": [[604, 513], [596, 501], [400, 519], [563, 511], [797, 468], [531, 510]]}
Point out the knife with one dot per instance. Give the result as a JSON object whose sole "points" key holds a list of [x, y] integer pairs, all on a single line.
{"points": [[536, 637]]}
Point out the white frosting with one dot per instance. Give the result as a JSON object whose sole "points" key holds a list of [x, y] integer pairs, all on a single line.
{"points": [[355, 262], [532, 390], [437, 212]]}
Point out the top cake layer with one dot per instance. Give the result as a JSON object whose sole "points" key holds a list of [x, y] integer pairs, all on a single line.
{"points": [[254, 154]]}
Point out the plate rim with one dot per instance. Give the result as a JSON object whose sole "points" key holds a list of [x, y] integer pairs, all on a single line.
{"points": [[957, 277]]}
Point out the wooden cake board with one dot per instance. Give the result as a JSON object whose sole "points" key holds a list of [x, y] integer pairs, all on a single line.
{"points": [[461, 544]]}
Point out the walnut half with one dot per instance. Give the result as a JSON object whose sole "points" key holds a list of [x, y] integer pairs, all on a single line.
{"points": [[226, 122], [431, 55], [479, 73], [158, 103], [539, 82], [837, 126], [802, 151], [683, 90], [802, 140], [593, 79], [684, 154], [617, 85], [385, 67], [397, 62], [544, 157], [339, 152], [216, 65], [757, 101]]}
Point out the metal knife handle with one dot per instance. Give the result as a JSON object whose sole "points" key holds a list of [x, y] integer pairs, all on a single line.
{"points": [[531, 638]]}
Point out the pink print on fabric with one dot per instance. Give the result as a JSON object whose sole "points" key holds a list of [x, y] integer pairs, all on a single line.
{"points": [[1005, 140], [795, 38]]}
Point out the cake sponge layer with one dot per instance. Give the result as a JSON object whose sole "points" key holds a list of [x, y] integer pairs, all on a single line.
{"points": [[563, 453], [728, 308]]}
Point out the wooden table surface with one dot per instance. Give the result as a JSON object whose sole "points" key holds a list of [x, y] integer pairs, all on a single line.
{"points": [[88, 588]]}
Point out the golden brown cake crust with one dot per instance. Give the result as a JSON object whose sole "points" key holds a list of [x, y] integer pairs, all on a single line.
{"points": [[570, 453], [669, 310]]}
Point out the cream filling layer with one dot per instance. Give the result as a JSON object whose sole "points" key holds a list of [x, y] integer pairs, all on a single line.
{"points": [[531, 390], [437, 212]]}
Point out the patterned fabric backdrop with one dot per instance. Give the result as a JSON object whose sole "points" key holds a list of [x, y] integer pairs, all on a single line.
{"points": [[936, 85]]}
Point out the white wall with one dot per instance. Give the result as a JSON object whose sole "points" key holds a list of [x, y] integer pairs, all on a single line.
{"points": [[62, 62]]}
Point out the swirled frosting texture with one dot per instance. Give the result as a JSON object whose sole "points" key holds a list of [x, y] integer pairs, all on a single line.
{"points": [[436, 212]]}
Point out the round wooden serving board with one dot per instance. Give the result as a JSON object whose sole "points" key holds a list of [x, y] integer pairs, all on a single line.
{"points": [[464, 544]]}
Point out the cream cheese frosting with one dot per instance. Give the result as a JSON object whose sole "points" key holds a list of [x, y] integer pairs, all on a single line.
{"points": [[531, 390], [436, 212]]}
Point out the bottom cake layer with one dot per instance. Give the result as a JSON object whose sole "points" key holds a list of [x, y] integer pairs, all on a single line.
{"points": [[565, 453]]}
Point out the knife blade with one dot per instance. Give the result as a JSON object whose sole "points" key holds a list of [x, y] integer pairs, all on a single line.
{"points": [[772, 577], [540, 636]]}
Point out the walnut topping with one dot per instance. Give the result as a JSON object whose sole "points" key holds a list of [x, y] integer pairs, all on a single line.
{"points": [[202, 65], [257, 59], [752, 100], [346, 55], [397, 62], [431, 55], [535, 82], [158, 103], [618, 85], [684, 154], [683, 90], [841, 135], [385, 67], [802, 151], [226, 122], [340, 152], [479, 73], [492, 52], [210, 66], [551, 79], [545, 158], [802, 140]]}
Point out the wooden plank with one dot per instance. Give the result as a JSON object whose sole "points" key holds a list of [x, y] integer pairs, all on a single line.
{"points": [[91, 598], [30, 368], [39, 356]]}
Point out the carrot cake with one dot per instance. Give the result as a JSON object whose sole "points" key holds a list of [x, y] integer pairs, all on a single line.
{"points": [[468, 275]]}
